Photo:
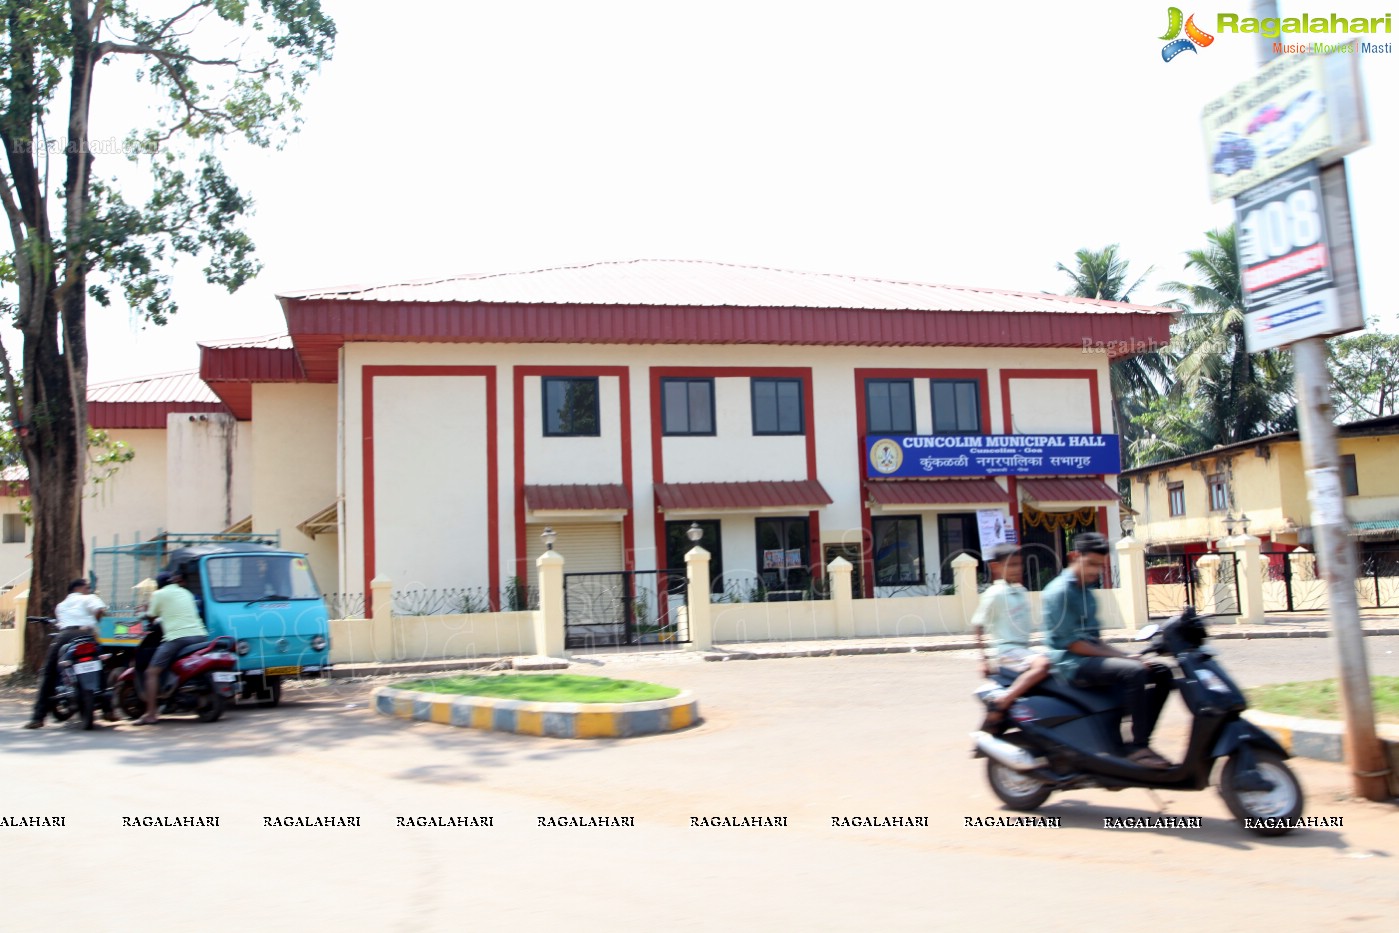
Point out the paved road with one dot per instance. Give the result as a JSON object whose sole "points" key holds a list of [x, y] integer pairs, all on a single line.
{"points": [[805, 739]]}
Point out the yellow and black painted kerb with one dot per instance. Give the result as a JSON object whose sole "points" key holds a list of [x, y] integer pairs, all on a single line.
{"points": [[557, 720]]}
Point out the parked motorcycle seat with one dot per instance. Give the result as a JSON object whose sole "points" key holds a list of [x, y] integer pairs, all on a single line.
{"points": [[191, 649]]}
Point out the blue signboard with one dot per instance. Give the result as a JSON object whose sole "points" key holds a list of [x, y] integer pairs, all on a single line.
{"points": [[909, 456]]}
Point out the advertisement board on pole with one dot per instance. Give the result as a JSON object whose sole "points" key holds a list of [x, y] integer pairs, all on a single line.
{"points": [[1296, 109], [1288, 260]]}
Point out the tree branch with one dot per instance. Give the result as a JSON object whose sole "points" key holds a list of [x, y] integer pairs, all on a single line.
{"points": [[107, 48]]}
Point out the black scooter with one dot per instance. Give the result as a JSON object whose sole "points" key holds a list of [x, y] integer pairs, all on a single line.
{"points": [[1062, 738], [81, 687]]}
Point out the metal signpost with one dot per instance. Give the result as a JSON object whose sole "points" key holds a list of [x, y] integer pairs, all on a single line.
{"points": [[1297, 265]]}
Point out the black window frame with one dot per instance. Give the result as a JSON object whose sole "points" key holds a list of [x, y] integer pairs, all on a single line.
{"points": [[1175, 493], [1215, 482], [1350, 479], [666, 429], [976, 406], [544, 405], [871, 427], [15, 519], [919, 562], [801, 405], [678, 544]]}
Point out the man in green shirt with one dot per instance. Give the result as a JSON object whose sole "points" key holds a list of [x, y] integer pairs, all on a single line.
{"points": [[1081, 657], [179, 619]]}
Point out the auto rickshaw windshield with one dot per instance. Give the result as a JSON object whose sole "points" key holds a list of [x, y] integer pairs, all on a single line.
{"points": [[244, 577]]}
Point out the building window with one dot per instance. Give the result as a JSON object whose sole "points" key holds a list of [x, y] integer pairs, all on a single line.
{"points": [[1219, 493], [898, 551], [782, 557], [958, 534], [777, 406], [687, 406], [571, 406], [1350, 486], [1176, 492], [956, 406], [14, 528], [889, 406]]}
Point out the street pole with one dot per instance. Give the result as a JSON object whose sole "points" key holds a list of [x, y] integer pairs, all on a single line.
{"points": [[1331, 540]]}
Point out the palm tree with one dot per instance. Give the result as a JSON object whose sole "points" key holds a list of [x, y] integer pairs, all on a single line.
{"points": [[1239, 395], [1136, 380]]}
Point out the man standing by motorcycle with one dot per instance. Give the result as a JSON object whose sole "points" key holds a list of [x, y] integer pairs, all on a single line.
{"points": [[179, 619], [77, 615], [1081, 656]]}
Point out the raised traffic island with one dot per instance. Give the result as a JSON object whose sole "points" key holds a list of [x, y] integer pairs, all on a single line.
{"points": [[562, 706]]}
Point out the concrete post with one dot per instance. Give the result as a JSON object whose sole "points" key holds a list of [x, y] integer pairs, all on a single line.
{"points": [[697, 599], [964, 582], [1303, 564], [381, 618], [549, 620], [1131, 581], [1206, 583], [842, 596], [1249, 567]]}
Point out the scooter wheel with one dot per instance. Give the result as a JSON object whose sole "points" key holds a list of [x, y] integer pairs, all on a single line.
{"points": [[88, 708], [1283, 803], [61, 711], [127, 700], [210, 706], [1017, 791]]}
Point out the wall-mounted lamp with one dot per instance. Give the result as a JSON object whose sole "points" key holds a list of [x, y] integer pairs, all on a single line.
{"points": [[695, 533], [1129, 524], [549, 538]]}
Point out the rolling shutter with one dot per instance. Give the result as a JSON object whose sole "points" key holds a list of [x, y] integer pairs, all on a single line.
{"points": [[585, 548]]}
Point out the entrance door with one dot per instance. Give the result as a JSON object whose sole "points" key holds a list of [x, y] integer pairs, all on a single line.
{"points": [[677, 545], [957, 534], [783, 557]]}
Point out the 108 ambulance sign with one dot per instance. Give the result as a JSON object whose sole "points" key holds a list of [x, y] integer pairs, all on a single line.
{"points": [[1285, 262]]}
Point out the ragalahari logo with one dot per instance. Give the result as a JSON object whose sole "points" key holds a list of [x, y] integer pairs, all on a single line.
{"points": [[1194, 35]]}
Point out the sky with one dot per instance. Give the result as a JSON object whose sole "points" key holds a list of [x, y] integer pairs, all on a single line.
{"points": [[968, 144]]}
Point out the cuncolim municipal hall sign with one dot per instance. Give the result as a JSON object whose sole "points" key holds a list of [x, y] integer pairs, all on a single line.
{"points": [[911, 456]]}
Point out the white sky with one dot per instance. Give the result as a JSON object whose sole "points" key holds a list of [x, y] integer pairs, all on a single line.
{"points": [[971, 144]]}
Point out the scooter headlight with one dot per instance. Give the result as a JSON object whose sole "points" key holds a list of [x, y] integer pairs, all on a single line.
{"points": [[318, 643], [244, 647]]}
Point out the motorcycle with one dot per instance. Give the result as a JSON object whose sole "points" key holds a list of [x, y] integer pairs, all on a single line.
{"points": [[1058, 737], [80, 689], [201, 679]]}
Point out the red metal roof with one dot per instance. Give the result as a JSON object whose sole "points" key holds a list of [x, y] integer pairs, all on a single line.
{"points": [[1076, 490], [230, 371], [571, 498], [144, 403], [938, 492], [669, 302], [697, 283], [803, 494]]}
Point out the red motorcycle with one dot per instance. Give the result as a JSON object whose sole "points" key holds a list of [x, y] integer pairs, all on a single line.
{"points": [[200, 680]]}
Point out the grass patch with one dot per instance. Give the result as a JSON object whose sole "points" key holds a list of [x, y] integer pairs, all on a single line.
{"points": [[545, 688], [1318, 699]]}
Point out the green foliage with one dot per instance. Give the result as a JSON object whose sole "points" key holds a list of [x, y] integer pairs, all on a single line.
{"points": [[1365, 374], [105, 457], [544, 688]]}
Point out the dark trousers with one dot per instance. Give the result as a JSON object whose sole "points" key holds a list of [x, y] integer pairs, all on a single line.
{"points": [[48, 683], [1142, 687]]}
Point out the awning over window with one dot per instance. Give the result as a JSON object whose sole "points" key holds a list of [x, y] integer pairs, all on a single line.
{"points": [[741, 497], [937, 492], [243, 527], [1072, 492], [322, 523], [1377, 531], [577, 498]]}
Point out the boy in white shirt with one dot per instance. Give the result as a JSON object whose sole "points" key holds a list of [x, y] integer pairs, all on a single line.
{"points": [[1005, 611]]}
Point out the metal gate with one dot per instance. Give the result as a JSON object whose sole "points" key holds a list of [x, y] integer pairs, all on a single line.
{"points": [[1175, 580], [625, 607], [1377, 585], [1291, 582]]}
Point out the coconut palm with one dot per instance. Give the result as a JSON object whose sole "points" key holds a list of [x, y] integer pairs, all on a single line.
{"points": [[1238, 395], [1136, 380]]}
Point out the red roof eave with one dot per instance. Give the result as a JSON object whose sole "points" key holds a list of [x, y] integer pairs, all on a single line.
{"points": [[231, 371], [796, 494], [320, 327], [578, 498]]}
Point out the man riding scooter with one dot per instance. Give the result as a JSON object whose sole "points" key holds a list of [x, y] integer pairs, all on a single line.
{"points": [[1082, 658], [179, 620], [77, 615]]}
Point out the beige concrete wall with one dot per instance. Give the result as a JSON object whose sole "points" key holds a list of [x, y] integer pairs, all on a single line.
{"points": [[913, 615], [765, 457], [1055, 406], [423, 638], [793, 621], [209, 482], [562, 460], [294, 469], [10, 646], [14, 557], [132, 501]]}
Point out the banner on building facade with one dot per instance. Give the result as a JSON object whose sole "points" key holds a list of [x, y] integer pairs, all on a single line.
{"points": [[913, 456], [995, 528]]}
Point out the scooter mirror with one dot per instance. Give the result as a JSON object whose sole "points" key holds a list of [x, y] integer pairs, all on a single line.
{"points": [[1148, 633]]}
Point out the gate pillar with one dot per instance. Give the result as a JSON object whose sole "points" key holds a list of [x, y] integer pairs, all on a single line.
{"points": [[1131, 582], [1206, 581], [697, 604], [1248, 566], [549, 619]]}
